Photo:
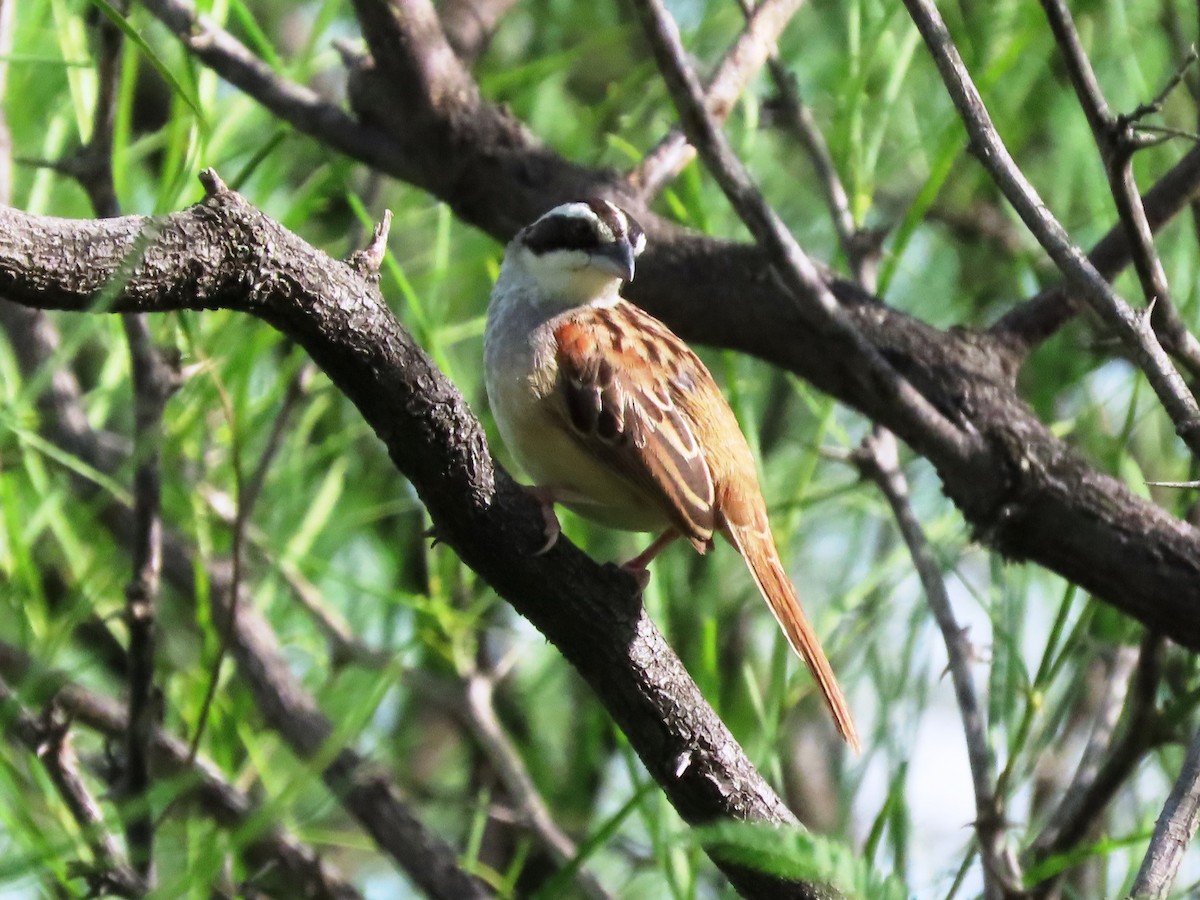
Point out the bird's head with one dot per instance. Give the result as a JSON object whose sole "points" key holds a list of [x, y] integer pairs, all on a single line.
{"points": [[578, 252]]}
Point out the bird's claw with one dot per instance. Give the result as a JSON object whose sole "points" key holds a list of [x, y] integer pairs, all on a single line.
{"points": [[545, 499], [640, 574]]}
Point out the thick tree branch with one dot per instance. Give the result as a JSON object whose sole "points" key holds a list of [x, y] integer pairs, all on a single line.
{"points": [[204, 259]]}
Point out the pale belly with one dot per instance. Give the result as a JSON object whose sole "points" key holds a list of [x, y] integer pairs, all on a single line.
{"points": [[553, 459], [521, 373]]}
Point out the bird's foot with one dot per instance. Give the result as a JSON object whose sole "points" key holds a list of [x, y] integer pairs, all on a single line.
{"points": [[546, 498], [638, 567]]}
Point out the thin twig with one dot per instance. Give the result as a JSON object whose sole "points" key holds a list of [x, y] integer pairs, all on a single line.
{"points": [[227, 632], [1094, 785], [791, 264], [1117, 139], [859, 247], [472, 701], [295, 867], [745, 57], [1032, 322], [293, 393], [48, 740], [878, 460], [1132, 327], [1174, 830], [154, 380]]}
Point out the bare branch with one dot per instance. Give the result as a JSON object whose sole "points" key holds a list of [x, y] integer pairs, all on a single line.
{"points": [[471, 700], [48, 740], [1117, 140], [1133, 328], [1174, 830], [878, 460], [797, 271], [1028, 324], [860, 249], [753, 47], [154, 380], [295, 867]]}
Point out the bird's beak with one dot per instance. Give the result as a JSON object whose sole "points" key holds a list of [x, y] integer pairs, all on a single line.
{"points": [[617, 258]]}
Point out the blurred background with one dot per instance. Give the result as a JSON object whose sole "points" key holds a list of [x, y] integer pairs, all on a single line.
{"points": [[389, 632]]}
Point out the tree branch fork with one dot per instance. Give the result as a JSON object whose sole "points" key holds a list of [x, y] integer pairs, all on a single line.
{"points": [[1024, 491], [224, 253]]}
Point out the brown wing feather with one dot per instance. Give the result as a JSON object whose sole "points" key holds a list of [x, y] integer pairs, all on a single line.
{"points": [[639, 399], [631, 421]]}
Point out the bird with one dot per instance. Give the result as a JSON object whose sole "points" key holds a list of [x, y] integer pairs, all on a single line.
{"points": [[614, 417]]}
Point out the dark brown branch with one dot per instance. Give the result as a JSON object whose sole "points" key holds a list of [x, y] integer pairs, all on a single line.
{"points": [[426, 859], [328, 308], [1133, 328]]}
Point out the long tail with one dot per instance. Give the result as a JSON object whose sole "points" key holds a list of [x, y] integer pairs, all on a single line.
{"points": [[758, 549]]}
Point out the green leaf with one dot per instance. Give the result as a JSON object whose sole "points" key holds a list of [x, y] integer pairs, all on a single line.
{"points": [[798, 855], [186, 93]]}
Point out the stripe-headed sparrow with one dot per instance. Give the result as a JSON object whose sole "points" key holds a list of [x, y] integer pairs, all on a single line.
{"points": [[613, 416]]}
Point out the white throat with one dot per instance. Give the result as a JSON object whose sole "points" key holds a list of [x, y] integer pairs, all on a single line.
{"points": [[559, 280]]}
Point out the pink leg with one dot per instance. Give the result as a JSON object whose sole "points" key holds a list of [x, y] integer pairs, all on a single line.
{"points": [[546, 497], [637, 566]]}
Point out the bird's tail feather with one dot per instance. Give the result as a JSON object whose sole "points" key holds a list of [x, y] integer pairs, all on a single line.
{"points": [[761, 556]]}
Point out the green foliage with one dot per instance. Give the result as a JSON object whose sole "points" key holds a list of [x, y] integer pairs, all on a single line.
{"points": [[796, 854], [335, 528]]}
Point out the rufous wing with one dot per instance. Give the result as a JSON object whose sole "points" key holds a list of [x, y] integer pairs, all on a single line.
{"points": [[638, 399], [619, 401]]}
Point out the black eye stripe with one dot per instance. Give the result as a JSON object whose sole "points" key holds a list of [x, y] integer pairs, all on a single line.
{"points": [[573, 232], [561, 233]]}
